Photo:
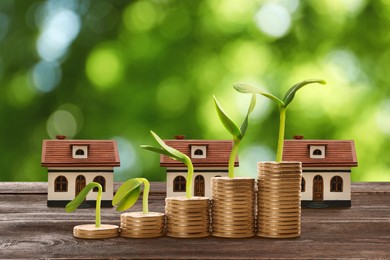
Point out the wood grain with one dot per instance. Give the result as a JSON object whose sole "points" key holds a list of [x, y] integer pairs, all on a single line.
{"points": [[29, 229]]}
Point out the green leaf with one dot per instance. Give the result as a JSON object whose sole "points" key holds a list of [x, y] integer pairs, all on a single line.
{"points": [[244, 88], [227, 122], [76, 202], [125, 189], [244, 125], [160, 151], [171, 151], [288, 98], [129, 199]]}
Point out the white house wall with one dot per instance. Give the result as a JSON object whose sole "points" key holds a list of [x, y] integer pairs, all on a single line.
{"points": [[207, 175], [71, 177], [327, 176]]}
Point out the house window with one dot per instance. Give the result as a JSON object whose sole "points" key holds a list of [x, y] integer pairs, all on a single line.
{"points": [[80, 184], [102, 181], [80, 151], [199, 186], [336, 184], [61, 184], [179, 184], [317, 151], [303, 185], [198, 151]]}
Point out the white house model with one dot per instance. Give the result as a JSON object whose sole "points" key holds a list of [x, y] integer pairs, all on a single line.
{"points": [[210, 158], [326, 170], [72, 164]]}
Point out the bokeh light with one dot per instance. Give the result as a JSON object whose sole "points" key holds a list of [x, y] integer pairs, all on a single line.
{"points": [[130, 168], [46, 76], [4, 24], [104, 67], [273, 19], [58, 31], [66, 120]]}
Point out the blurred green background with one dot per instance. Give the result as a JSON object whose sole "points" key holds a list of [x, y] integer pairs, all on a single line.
{"points": [[116, 69]]}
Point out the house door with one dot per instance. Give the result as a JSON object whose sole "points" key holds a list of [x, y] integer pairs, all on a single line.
{"points": [[318, 188], [80, 183], [199, 186]]}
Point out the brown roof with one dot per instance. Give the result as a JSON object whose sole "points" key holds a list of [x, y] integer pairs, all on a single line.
{"points": [[218, 153], [338, 153], [101, 153]]}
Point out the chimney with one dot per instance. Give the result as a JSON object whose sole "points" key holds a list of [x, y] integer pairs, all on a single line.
{"points": [[180, 137], [60, 137], [298, 137]]}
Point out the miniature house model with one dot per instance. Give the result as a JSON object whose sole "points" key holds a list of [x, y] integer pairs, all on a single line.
{"points": [[72, 164], [326, 170], [210, 158]]}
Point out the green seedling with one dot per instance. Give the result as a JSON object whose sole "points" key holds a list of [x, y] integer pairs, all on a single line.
{"points": [[282, 104], [175, 155], [76, 202], [238, 133], [128, 194]]}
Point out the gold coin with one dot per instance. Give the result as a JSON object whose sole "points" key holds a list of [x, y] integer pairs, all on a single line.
{"points": [[90, 231]]}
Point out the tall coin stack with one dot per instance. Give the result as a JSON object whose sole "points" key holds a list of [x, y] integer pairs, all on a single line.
{"points": [[233, 207], [279, 199], [139, 225], [187, 217]]}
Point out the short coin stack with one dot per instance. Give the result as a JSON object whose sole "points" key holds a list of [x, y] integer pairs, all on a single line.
{"points": [[187, 217], [90, 231], [233, 207], [279, 199], [139, 225]]}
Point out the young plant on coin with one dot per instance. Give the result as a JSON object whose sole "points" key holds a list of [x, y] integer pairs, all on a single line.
{"points": [[76, 202], [238, 133], [283, 105], [175, 155], [128, 193]]}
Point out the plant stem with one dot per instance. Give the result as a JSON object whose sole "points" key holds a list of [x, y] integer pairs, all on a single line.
{"points": [[282, 125], [232, 159], [145, 196], [190, 173], [98, 202]]}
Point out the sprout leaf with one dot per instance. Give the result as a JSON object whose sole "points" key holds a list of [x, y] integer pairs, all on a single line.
{"points": [[227, 122], [127, 194], [169, 151], [244, 88], [129, 199], [291, 92], [244, 125], [160, 151], [76, 202]]}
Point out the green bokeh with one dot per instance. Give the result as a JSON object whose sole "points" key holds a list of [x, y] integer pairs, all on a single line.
{"points": [[117, 69]]}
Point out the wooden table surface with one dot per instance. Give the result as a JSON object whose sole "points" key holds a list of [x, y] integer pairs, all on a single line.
{"points": [[29, 229]]}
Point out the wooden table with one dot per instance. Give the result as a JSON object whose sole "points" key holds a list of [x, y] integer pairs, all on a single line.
{"points": [[29, 229]]}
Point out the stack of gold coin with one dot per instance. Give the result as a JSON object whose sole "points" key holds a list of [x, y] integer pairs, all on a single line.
{"points": [[233, 207], [139, 225], [279, 199], [90, 231], [187, 217]]}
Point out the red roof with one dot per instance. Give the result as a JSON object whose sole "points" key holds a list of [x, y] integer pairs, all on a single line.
{"points": [[101, 153], [338, 153], [218, 153]]}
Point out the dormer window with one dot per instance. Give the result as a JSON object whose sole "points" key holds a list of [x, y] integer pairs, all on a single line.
{"points": [[80, 151], [317, 151], [198, 151]]}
